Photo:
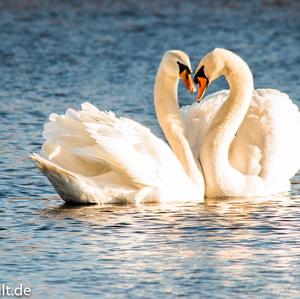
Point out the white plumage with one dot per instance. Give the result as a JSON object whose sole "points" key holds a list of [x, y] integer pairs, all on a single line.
{"points": [[92, 156], [267, 138], [247, 140]]}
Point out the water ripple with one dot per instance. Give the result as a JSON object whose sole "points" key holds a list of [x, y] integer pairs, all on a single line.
{"points": [[55, 55]]}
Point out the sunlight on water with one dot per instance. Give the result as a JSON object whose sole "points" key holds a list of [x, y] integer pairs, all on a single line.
{"points": [[55, 56], [223, 247]]}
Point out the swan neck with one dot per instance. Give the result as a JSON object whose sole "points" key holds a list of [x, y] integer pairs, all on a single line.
{"points": [[231, 115], [168, 115], [226, 124], [240, 80], [165, 96]]}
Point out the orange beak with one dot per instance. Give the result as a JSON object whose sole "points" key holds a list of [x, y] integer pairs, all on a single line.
{"points": [[202, 86], [188, 81]]}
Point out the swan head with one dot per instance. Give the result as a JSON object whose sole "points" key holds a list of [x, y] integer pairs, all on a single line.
{"points": [[177, 65], [210, 68]]}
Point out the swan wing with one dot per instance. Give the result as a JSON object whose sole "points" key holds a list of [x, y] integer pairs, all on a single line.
{"points": [[93, 156], [128, 147], [266, 143], [75, 188]]}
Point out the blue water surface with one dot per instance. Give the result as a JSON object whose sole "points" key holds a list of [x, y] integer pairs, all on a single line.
{"points": [[58, 54]]}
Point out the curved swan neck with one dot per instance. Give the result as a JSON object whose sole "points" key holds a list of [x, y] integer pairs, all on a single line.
{"points": [[225, 125], [232, 113], [168, 115], [165, 97], [240, 80]]}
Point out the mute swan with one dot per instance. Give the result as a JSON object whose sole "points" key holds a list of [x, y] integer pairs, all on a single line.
{"points": [[249, 140], [91, 156]]}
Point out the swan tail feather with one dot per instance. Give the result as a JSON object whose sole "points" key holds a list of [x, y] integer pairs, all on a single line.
{"points": [[73, 188], [69, 186]]}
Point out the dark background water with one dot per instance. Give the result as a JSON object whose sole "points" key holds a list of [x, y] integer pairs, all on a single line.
{"points": [[57, 54]]}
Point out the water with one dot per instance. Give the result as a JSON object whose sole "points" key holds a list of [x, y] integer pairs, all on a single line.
{"points": [[55, 55]]}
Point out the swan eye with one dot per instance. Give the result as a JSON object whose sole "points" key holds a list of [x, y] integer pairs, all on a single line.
{"points": [[202, 81], [182, 68], [200, 74]]}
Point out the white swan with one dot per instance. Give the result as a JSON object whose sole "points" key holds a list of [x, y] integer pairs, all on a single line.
{"points": [[91, 156], [248, 139]]}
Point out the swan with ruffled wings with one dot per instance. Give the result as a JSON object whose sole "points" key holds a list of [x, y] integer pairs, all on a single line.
{"points": [[92, 156]]}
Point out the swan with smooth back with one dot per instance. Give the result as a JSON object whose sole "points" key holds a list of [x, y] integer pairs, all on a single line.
{"points": [[92, 156], [249, 144]]}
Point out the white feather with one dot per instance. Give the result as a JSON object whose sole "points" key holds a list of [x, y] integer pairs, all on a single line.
{"points": [[247, 139], [92, 156]]}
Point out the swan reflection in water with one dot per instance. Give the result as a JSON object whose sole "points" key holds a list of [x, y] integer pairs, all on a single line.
{"points": [[249, 243], [224, 209]]}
